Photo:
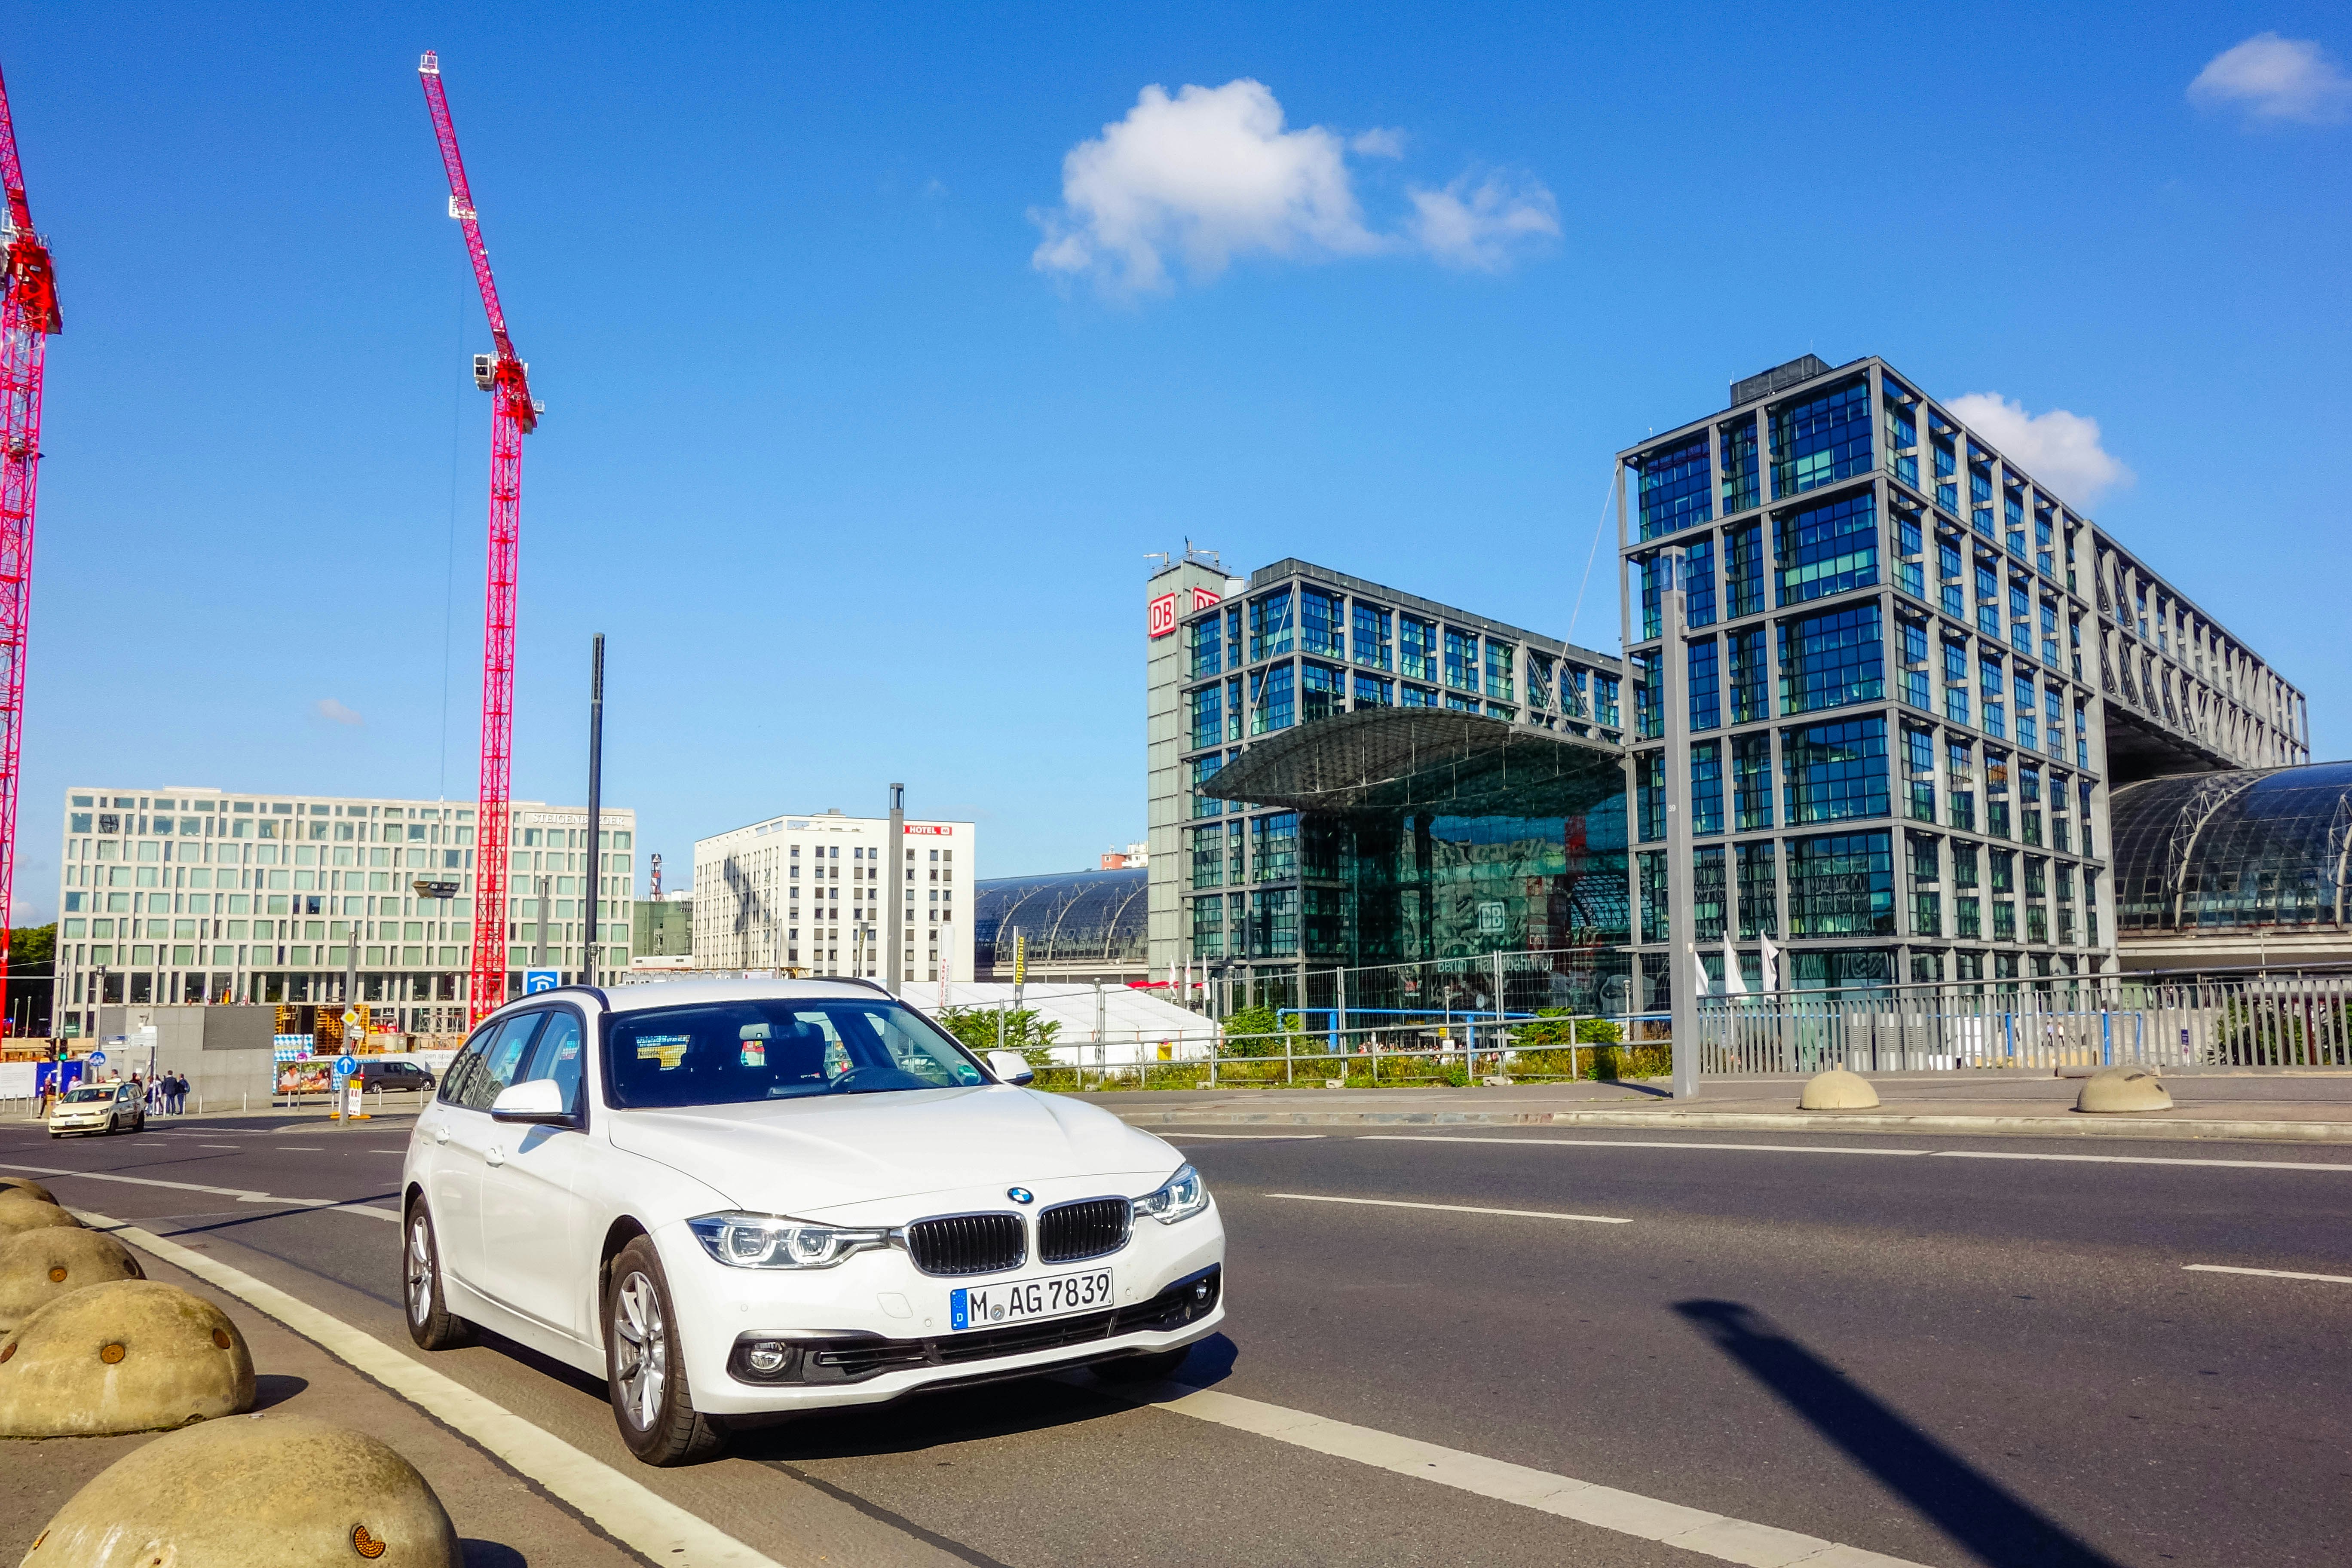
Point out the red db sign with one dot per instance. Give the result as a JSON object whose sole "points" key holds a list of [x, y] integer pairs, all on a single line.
{"points": [[1162, 616]]}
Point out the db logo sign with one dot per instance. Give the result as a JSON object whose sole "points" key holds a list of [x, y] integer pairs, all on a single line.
{"points": [[1162, 616], [1201, 600]]}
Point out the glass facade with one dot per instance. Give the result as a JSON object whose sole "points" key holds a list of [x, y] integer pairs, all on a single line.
{"points": [[2216, 852], [1675, 489], [1822, 439]]}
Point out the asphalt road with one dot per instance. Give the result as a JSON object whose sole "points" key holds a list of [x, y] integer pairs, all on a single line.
{"points": [[1946, 1359]]}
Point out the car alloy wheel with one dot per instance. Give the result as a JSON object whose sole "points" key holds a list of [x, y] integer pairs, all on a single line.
{"points": [[430, 1323], [643, 1350]]}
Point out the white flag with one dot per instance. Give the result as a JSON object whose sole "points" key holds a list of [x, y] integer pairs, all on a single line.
{"points": [[1734, 983], [1698, 968], [1768, 975]]}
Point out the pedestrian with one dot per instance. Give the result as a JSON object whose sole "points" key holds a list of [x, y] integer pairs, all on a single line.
{"points": [[172, 1093], [181, 1107]]}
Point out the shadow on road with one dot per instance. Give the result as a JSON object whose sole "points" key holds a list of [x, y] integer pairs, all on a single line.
{"points": [[1971, 1508]]}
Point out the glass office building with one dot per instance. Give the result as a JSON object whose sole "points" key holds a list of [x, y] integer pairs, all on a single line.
{"points": [[1492, 816], [201, 895], [1913, 674]]}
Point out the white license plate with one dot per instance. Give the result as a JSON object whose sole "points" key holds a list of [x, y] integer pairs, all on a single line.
{"points": [[1020, 1301]]}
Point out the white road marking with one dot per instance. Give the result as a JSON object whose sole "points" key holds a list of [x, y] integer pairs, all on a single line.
{"points": [[2267, 1273], [1245, 1137], [242, 1194], [2343, 1167], [1631, 1143], [231, 1146], [1450, 1208], [621, 1506], [298, 1149], [1628, 1513]]}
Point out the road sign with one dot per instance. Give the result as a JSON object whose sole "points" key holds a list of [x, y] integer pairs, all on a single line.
{"points": [[535, 980], [96, 1058], [352, 1107], [346, 1064], [350, 1016]]}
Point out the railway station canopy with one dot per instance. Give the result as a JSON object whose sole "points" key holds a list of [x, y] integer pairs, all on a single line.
{"points": [[2229, 854]]}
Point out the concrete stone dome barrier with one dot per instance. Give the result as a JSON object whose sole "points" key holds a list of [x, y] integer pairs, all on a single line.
{"points": [[266, 1491], [131, 1356], [2111, 1090], [1837, 1089], [18, 1213], [37, 1267], [27, 1187]]}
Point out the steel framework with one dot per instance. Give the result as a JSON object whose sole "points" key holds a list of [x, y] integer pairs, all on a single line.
{"points": [[29, 317], [513, 415]]}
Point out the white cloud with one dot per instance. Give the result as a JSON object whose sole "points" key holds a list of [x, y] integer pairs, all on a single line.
{"points": [[2274, 79], [327, 708], [1213, 174], [1482, 226], [2058, 449]]}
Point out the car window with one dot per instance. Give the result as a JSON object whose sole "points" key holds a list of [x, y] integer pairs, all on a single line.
{"points": [[82, 1095], [559, 1055], [773, 1048], [503, 1063], [467, 1064]]}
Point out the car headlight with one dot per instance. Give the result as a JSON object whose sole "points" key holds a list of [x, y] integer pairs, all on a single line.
{"points": [[1180, 1196], [773, 1241]]}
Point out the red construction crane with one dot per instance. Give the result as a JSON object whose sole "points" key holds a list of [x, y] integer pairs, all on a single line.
{"points": [[513, 415], [29, 316]]}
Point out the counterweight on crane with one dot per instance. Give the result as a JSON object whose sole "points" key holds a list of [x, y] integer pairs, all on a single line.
{"points": [[513, 415], [29, 318]]}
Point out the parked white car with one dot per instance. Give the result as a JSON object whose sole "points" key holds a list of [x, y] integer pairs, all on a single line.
{"points": [[734, 1197]]}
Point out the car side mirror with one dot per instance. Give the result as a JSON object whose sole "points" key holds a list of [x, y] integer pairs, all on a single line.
{"points": [[541, 1100], [1011, 1066]]}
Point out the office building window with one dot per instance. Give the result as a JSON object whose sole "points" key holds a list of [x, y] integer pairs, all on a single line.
{"points": [[1649, 720], [1841, 884], [1915, 674], [1372, 650], [1706, 786], [1415, 696], [1902, 432], [1675, 488], [1821, 441], [1650, 867], [1323, 690], [1274, 847], [1321, 622], [1826, 549], [1653, 569], [1272, 701], [1759, 895], [1540, 689], [1740, 477], [1500, 677], [1461, 659], [1208, 644], [1650, 796], [1751, 780], [1274, 923], [1927, 905], [1270, 625], [1707, 893], [1209, 715], [1834, 771], [1919, 771], [1209, 857], [1749, 676], [1375, 691], [1204, 769], [1832, 659], [2029, 801], [1996, 713], [1416, 647], [1743, 568], [1996, 787], [1705, 685], [1698, 584], [1956, 682], [1604, 699]]}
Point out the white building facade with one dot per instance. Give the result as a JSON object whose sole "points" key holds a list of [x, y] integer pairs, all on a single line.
{"points": [[207, 895], [808, 894]]}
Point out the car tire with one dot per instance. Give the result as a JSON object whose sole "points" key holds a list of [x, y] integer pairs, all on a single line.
{"points": [[425, 1302], [1148, 1367], [645, 1370], [113, 1124]]}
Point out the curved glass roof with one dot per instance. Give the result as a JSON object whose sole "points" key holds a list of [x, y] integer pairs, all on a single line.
{"points": [[2214, 851], [1078, 917]]}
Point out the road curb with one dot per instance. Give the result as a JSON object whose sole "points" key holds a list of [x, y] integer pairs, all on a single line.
{"points": [[2072, 1126]]}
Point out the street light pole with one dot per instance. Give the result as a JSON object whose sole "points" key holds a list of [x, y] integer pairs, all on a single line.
{"points": [[894, 951], [596, 787], [1683, 968]]}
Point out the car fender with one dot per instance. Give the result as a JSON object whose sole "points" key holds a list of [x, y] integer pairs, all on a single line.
{"points": [[627, 1191]]}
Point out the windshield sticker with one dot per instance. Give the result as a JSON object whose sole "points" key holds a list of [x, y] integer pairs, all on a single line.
{"points": [[755, 1053], [667, 1049]]}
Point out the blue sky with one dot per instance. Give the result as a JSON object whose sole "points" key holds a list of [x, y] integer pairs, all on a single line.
{"points": [[860, 424]]}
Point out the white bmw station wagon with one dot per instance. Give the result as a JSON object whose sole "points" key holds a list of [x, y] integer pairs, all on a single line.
{"points": [[738, 1197]]}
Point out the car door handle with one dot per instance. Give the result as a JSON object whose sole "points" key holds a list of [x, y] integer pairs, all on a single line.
{"points": [[495, 1156]]}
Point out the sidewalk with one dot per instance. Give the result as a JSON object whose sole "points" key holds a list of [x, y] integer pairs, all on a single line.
{"points": [[2276, 1104]]}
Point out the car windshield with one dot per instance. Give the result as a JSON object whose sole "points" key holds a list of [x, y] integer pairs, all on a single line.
{"points": [[726, 1053], [76, 1096]]}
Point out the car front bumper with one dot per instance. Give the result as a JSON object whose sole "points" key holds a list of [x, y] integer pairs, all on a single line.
{"points": [[876, 1328], [83, 1122]]}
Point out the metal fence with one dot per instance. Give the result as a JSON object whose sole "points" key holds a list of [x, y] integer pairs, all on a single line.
{"points": [[2262, 1020]]}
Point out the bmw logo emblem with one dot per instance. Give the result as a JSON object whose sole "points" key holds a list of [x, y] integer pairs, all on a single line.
{"points": [[1021, 1195]]}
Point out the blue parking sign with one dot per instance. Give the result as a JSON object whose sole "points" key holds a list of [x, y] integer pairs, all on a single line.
{"points": [[536, 980]]}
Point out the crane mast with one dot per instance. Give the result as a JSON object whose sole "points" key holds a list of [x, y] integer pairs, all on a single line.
{"points": [[29, 318], [513, 415]]}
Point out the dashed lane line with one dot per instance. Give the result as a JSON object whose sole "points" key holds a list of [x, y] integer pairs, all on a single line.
{"points": [[2266, 1273], [1450, 1208], [1177, 1137], [2341, 1168], [623, 1507], [1628, 1513], [242, 1194]]}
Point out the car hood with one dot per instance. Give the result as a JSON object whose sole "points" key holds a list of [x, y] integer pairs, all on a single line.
{"points": [[804, 1157]]}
